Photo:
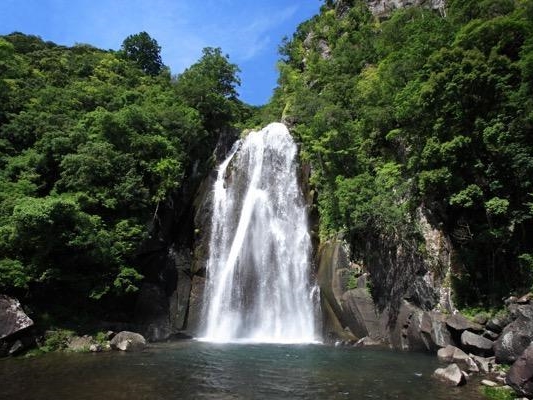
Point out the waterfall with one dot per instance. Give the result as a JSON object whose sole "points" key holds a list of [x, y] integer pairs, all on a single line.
{"points": [[258, 285]]}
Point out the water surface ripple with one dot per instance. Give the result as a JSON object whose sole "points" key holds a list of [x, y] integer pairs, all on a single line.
{"points": [[197, 370]]}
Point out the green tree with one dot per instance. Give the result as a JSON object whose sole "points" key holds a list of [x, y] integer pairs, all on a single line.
{"points": [[143, 51]]}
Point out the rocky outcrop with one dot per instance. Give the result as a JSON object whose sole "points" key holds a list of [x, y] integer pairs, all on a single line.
{"points": [[14, 327], [385, 7], [12, 318], [348, 309], [175, 254], [516, 336], [128, 341], [196, 305], [520, 376]]}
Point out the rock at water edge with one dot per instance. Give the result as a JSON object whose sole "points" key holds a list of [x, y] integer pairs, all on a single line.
{"points": [[515, 337], [12, 317], [520, 376], [128, 341], [451, 375]]}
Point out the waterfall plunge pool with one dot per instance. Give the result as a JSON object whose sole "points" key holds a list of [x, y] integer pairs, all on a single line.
{"points": [[199, 370]]}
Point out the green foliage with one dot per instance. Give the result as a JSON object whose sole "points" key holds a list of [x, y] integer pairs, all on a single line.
{"points": [[210, 87], [498, 393], [421, 109], [56, 340], [92, 143], [143, 51]]}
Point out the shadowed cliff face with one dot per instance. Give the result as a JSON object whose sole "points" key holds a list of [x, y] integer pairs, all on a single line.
{"points": [[393, 294], [173, 258]]}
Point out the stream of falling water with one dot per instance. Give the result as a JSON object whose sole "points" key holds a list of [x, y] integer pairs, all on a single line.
{"points": [[258, 273]]}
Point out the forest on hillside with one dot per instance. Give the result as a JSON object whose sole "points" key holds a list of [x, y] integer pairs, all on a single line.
{"points": [[428, 110], [91, 143], [421, 109]]}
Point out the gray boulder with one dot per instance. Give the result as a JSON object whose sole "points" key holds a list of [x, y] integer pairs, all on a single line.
{"points": [[12, 317], [497, 323], [460, 323], [128, 341], [452, 375], [485, 365], [520, 376], [452, 354], [476, 344], [516, 336], [359, 313]]}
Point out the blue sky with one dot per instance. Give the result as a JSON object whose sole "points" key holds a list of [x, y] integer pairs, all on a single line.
{"points": [[250, 31]]}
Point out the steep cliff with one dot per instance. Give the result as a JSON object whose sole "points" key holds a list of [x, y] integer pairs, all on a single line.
{"points": [[408, 123]]}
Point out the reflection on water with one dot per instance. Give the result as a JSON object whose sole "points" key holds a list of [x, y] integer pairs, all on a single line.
{"points": [[194, 370]]}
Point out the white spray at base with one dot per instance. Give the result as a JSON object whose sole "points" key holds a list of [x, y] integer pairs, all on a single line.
{"points": [[258, 285]]}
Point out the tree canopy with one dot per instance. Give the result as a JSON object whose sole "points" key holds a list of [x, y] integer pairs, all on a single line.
{"points": [[91, 144], [421, 110]]}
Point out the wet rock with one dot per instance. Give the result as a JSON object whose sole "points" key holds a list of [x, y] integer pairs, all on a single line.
{"points": [[128, 341], [359, 312], [516, 336], [179, 302], [341, 308], [452, 375], [366, 341], [12, 317], [196, 303], [152, 312], [520, 376], [434, 330], [476, 344]]}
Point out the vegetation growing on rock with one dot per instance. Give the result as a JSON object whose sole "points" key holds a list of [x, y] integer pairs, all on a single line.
{"points": [[421, 109], [91, 143]]}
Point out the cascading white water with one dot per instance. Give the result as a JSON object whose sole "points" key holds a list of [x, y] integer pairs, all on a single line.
{"points": [[258, 273]]}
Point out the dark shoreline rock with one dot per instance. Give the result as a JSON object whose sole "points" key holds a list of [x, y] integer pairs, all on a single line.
{"points": [[520, 376], [15, 326], [128, 341]]}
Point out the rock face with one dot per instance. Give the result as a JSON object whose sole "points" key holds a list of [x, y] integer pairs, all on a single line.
{"points": [[12, 317], [348, 309], [176, 252], [196, 305], [14, 327], [128, 341], [399, 310], [520, 376], [451, 375], [385, 7], [516, 336]]}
